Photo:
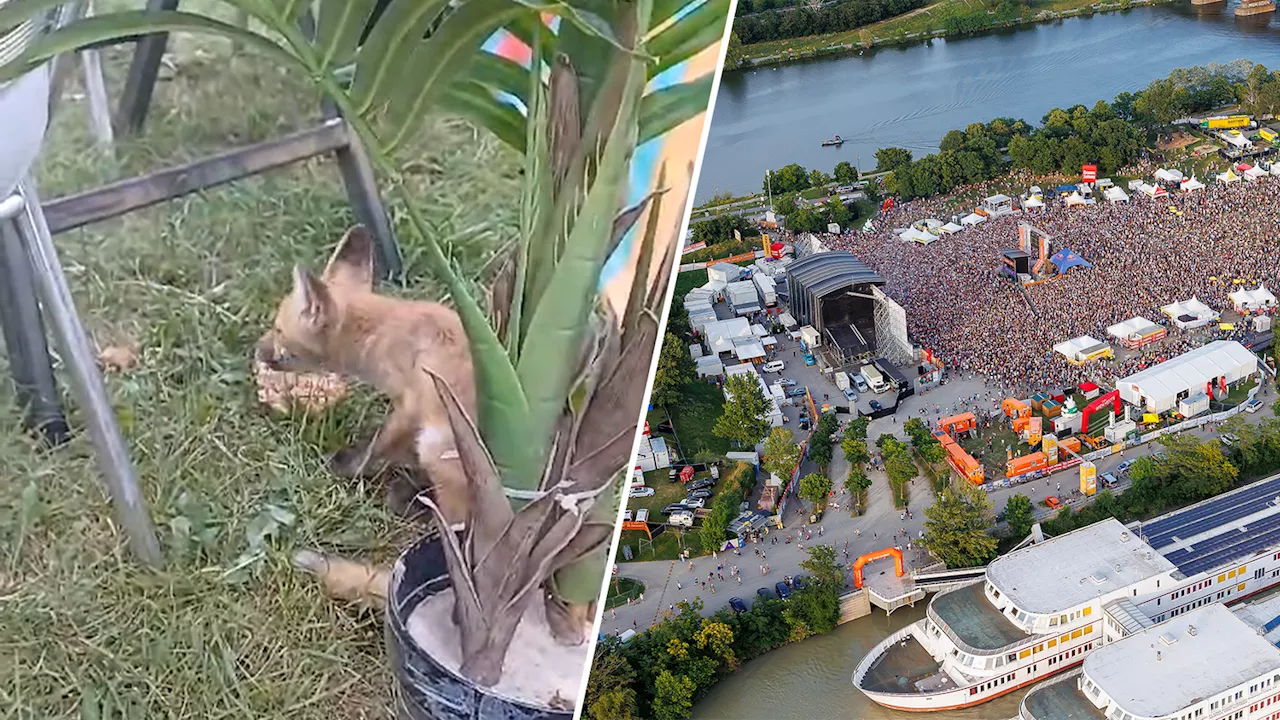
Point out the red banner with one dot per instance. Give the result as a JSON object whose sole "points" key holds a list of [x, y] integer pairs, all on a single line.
{"points": [[1089, 173], [691, 248]]}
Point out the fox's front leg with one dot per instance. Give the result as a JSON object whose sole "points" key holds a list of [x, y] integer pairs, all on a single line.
{"points": [[391, 446]]}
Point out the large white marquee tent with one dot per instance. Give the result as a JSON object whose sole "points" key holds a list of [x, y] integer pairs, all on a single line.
{"points": [[1158, 388]]}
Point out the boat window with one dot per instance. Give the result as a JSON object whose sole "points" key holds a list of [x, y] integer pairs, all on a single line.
{"points": [[1053, 622]]}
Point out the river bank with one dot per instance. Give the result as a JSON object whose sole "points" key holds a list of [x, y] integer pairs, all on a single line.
{"points": [[919, 26]]}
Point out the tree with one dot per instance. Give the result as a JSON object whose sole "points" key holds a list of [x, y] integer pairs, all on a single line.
{"points": [[892, 158], [672, 696], [1162, 102], [781, 453], [845, 173], [857, 481], [1019, 514], [933, 452], [815, 488], [858, 427], [817, 178], [820, 443], [675, 371], [744, 419], [837, 212], [900, 468], [823, 568], [953, 140], [917, 432], [855, 448], [789, 178], [610, 694], [956, 527], [815, 609], [786, 205], [733, 54]]}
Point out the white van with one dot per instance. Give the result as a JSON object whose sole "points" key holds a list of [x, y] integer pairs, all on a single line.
{"points": [[683, 518], [775, 366]]}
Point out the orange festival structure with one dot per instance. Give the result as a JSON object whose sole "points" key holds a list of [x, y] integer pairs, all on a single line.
{"points": [[898, 566]]}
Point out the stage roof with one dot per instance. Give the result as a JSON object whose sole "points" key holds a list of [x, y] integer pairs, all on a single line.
{"points": [[824, 273]]}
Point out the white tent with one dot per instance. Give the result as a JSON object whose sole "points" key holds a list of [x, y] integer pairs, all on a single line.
{"points": [[1169, 176], [709, 366], [972, 219], [951, 228], [1157, 388], [1249, 300], [1191, 183], [746, 351], [1115, 194], [720, 336], [1228, 177], [1074, 199], [1255, 173], [918, 236], [1081, 349], [1189, 314], [1135, 184], [787, 319], [725, 272], [1236, 139], [1154, 191], [1136, 331], [1034, 201]]}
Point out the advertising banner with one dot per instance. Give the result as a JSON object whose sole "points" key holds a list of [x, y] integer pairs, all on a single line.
{"points": [[1089, 173]]}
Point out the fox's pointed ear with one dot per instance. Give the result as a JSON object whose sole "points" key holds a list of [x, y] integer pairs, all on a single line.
{"points": [[314, 302], [352, 262]]}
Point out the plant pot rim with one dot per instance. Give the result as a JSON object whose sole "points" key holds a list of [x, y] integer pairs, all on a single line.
{"points": [[403, 598]]}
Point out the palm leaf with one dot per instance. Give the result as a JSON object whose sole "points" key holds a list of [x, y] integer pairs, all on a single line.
{"points": [[664, 110]]}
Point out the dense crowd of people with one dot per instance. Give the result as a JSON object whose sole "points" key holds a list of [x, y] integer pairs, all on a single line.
{"points": [[1144, 257]]}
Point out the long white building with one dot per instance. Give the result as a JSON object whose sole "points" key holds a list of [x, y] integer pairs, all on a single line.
{"points": [[1042, 609]]}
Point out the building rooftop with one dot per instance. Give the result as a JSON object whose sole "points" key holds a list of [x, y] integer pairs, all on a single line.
{"points": [[1073, 568], [1168, 667], [974, 619], [1217, 531]]}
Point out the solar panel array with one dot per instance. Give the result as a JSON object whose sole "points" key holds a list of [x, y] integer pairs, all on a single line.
{"points": [[1210, 514], [1228, 546]]}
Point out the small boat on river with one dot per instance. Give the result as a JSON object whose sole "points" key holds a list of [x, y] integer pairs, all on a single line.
{"points": [[836, 141]]}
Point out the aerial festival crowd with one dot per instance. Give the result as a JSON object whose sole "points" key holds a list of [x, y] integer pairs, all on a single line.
{"points": [[1143, 257]]}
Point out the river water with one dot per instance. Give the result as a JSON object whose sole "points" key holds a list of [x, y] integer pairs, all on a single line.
{"points": [[814, 679], [910, 96]]}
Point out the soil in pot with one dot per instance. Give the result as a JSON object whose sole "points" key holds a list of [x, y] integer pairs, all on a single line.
{"points": [[537, 670]]}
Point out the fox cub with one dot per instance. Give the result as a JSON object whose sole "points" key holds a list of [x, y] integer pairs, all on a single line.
{"points": [[337, 323]]}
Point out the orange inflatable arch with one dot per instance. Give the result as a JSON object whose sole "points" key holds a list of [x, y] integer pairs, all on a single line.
{"points": [[895, 553]]}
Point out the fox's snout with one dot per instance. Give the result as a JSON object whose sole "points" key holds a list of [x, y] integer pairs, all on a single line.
{"points": [[267, 352]]}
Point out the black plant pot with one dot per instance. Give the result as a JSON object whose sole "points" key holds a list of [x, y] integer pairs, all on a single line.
{"points": [[429, 690]]}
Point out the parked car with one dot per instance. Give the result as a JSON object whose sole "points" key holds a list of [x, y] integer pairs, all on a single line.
{"points": [[1123, 468], [683, 518], [1053, 502], [850, 395], [700, 484], [1253, 406], [700, 494], [1226, 440], [774, 366], [1109, 480], [626, 516], [786, 382], [694, 502], [860, 383], [798, 582], [783, 591], [808, 359], [674, 507], [764, 593], [797, 391], [737, 604], [639, 492], [876, 406], [1160, 456]]}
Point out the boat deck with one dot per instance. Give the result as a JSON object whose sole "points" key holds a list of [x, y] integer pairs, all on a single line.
{"points": [[1061, 701], [974, 620], [905, 667]]}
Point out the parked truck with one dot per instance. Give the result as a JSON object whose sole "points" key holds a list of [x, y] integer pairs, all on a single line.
{"points": [[842, 379], [874, 378]]}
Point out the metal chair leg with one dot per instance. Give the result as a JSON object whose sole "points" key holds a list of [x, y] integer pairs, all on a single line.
{"points": [[86, 382], [366, 203], [30, 365]]}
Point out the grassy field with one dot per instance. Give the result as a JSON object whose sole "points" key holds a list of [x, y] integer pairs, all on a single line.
{"points": [[694, 418], [622, 591], [993, 461], [687, 281], [903, 28], [219, 632]]}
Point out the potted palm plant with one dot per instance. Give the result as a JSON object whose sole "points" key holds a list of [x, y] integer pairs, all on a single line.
{"points": [[561, 376]]}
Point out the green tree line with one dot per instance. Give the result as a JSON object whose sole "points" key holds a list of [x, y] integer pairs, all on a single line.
{"points": [[801, 22]]}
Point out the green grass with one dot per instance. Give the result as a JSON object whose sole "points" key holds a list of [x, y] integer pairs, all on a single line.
{"points": [[622, 591], [84, 631], [814, 193], [687, 281], [993, 462], [694, 418], [666, 546]]}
